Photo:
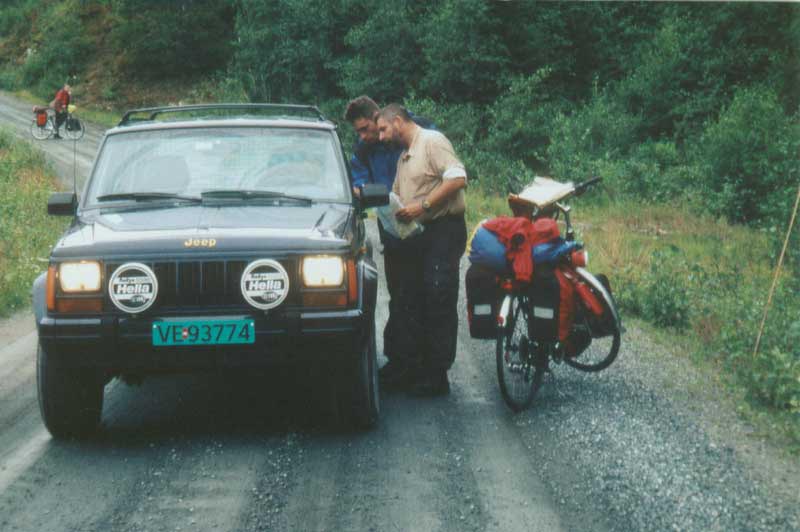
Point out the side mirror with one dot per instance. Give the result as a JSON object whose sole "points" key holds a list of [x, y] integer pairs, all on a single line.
{"points": [[374, 195], [62, 204]]}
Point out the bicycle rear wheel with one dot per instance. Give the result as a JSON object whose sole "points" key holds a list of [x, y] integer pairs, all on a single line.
{"points": [[520, 366], [73, 129], [42, 132]]}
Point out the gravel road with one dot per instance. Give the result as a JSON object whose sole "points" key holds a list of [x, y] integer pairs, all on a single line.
{"points": [[649, 444]]}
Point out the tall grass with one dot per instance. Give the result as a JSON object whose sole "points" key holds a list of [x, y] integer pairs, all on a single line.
{"points": [[26, 231]]}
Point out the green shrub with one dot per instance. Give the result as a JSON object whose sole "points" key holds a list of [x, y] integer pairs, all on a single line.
{"points": [[773, 375], [597, 133], [9, 78], [521, 119], [63, 50], [377, 61], [749, 159], [665, 290], [464, 54], [171, 39], [219, 88]]}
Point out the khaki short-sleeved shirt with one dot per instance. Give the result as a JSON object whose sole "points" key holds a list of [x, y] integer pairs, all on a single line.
{"points": [[428, 161]]}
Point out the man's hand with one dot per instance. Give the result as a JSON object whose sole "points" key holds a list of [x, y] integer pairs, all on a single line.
{"points": [[410, 213], [357, 192]]}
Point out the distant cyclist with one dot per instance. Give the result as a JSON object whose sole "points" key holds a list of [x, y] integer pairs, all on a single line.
{"points": [[61, 104]]}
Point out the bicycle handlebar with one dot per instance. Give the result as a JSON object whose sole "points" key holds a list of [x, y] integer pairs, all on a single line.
{"points": [[583, 187]]}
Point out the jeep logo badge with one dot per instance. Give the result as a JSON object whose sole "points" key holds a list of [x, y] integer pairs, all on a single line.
{"points": [[200, 242], [265, 284], [133, 287]]}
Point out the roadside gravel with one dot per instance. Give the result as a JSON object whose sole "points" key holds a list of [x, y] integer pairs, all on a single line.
{"points": [[653, 445]]}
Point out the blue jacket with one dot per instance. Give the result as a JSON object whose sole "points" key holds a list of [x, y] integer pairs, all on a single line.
{"points": [[377, 162]]}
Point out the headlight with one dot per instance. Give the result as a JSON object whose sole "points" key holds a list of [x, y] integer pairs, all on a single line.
{"points": [[323, 271], [79, 276]]}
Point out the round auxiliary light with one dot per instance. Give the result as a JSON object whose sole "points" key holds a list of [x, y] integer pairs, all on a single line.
{"points": [[133, 287], [265, 284]]}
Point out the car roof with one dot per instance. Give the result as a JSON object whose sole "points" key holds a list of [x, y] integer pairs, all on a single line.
{"points": [[224, 115], [292, 123]]}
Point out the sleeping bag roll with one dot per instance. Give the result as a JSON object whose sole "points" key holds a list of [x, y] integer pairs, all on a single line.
{"points": [[486, 250]]}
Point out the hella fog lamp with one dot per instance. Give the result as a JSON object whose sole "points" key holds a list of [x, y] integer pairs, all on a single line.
{"points": [[323, 271], [79, 276]]}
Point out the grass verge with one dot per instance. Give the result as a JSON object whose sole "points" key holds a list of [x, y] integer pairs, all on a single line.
{"points": [[26, 231]]}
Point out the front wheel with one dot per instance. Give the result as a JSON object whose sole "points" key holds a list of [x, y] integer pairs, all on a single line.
{"points": [[602, 333], [358, 393], [70, 399], [73, 129], [521, 363], [42, 132]]}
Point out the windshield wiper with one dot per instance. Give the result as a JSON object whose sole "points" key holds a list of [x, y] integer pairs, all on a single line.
{"points": [[225, 194], [147, 196]]}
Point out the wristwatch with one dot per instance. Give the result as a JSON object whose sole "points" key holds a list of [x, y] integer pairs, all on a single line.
{"points": [[426, 205]]}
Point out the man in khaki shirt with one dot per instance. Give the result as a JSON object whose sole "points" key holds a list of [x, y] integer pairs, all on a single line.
{"points": [[430, 183]]}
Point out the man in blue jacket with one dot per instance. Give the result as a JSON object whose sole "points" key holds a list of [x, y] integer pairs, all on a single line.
{"points": [[376, 162]]}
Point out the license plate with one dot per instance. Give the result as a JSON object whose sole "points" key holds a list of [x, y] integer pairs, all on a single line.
{"points": [[204, 332]]}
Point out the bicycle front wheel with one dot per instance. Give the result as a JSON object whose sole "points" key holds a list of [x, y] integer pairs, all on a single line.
{"points": [[603, 332], [520, 364], [42, 132], [73, 129]]}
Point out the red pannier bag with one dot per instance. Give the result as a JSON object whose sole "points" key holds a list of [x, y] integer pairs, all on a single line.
{"points": [[41, 118], [588, 299], [566, 306]]}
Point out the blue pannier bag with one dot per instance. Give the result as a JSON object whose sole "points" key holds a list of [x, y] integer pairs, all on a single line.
{"points": [[487, 250], [550, 252]]}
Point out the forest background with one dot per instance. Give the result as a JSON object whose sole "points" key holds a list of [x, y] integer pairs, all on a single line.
{"points": [[689, 111]]}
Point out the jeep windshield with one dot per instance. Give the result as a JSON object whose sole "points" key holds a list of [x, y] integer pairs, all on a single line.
{"points": [[179, 164]]}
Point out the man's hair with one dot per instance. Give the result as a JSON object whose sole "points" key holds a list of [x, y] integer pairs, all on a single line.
{"points": [[361, 107], [393, 110]]}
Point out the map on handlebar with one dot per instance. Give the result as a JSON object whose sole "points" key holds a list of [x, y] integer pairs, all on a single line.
{"points": [[542, 192]]}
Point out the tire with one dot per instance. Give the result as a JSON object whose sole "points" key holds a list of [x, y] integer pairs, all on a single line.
{"points": [[605, 336], [70, 399], [74, 134], [358, 394], [42, 132], [520, 368]]}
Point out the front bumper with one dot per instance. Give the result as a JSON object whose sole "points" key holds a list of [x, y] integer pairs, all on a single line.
{"points": [[124, 343]]}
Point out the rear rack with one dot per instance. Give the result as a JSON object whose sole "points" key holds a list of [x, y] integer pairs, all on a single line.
{"points": [[274, 110]]}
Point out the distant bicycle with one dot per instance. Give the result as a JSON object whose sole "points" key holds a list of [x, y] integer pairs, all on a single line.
{"points": [[43, 126]]}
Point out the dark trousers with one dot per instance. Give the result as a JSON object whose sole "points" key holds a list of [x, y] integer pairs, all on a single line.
{"points": [[60, 118], [426, 277]]}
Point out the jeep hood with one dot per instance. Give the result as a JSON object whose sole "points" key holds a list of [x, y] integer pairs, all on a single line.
{"points": [[201, 229]]}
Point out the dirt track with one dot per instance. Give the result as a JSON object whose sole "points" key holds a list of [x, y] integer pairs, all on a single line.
{"points": [[622, 450]]}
